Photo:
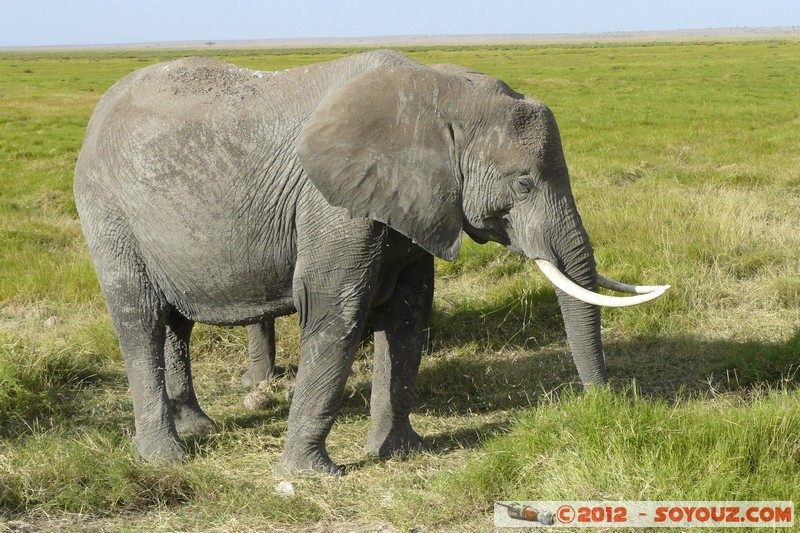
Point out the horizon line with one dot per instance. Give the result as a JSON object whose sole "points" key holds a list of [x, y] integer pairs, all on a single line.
{"points": [[760, 32]]}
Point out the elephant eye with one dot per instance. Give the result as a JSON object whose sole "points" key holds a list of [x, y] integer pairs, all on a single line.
{"points": [[522, 186]]}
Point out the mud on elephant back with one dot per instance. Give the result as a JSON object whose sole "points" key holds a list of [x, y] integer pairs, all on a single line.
{"points": [[217, 194]]}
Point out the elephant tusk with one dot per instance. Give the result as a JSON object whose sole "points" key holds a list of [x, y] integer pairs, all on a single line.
{"points": [[558, 279], [613, 285]]}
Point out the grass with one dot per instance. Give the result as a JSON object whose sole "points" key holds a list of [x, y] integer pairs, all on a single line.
{"points": [[616, 447], [685, 169]]}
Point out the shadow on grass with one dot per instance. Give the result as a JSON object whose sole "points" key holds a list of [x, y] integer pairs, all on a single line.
{"points": [[51, 399], [517, 318], [260, 419], [439, 443], [670, 368], [662, 367], [466, 438]]}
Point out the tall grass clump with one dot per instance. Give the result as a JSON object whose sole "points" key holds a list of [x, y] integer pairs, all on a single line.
{"points": [[92, 473], [33, 384]]}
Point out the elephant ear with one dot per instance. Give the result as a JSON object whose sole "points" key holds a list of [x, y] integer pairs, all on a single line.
{"points": [[379, 147]]}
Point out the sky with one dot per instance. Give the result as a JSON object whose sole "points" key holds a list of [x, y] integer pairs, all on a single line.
{"points": [[92, 22]]}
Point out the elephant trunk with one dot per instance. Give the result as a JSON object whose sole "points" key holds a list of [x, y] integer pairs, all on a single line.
{"points": [[582, 319], [582, 323]]}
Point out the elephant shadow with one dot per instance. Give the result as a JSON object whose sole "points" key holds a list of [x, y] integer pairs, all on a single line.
{"points": [[662, 367], [680, 367], [520, 317]]}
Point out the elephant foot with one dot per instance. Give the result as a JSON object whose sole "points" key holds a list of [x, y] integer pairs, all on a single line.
{"points": [[167, 450], [398, 440], [192, 422], [307, 461], [256, 374]]}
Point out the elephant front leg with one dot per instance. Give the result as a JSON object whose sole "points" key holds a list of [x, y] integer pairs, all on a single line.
{"points": [[399, 341], [261, 348], [336, 272], [326, 358], [332, 321]]}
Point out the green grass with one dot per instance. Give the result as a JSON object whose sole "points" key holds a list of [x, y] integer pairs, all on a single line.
{"points": [[613, 447], [684, 165]]}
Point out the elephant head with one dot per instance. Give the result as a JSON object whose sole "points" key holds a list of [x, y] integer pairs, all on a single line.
{"points": [[434, 151]]}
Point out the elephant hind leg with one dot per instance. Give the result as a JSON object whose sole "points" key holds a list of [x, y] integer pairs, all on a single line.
{"points": [[261, 348], [399, 326], [139, 313], [190, 419]]}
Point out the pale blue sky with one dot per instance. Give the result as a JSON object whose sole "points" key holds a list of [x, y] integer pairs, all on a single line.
{"points": [[73, 22]]}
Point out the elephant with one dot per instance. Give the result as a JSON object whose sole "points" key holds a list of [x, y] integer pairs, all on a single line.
{"points": [[218, 194]]}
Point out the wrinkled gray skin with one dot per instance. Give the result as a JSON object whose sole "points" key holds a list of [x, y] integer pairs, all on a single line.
{"points": [[261, 349], [216, 194]]}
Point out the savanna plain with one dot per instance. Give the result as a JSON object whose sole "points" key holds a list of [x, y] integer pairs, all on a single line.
{"points": [[685, 164]]}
